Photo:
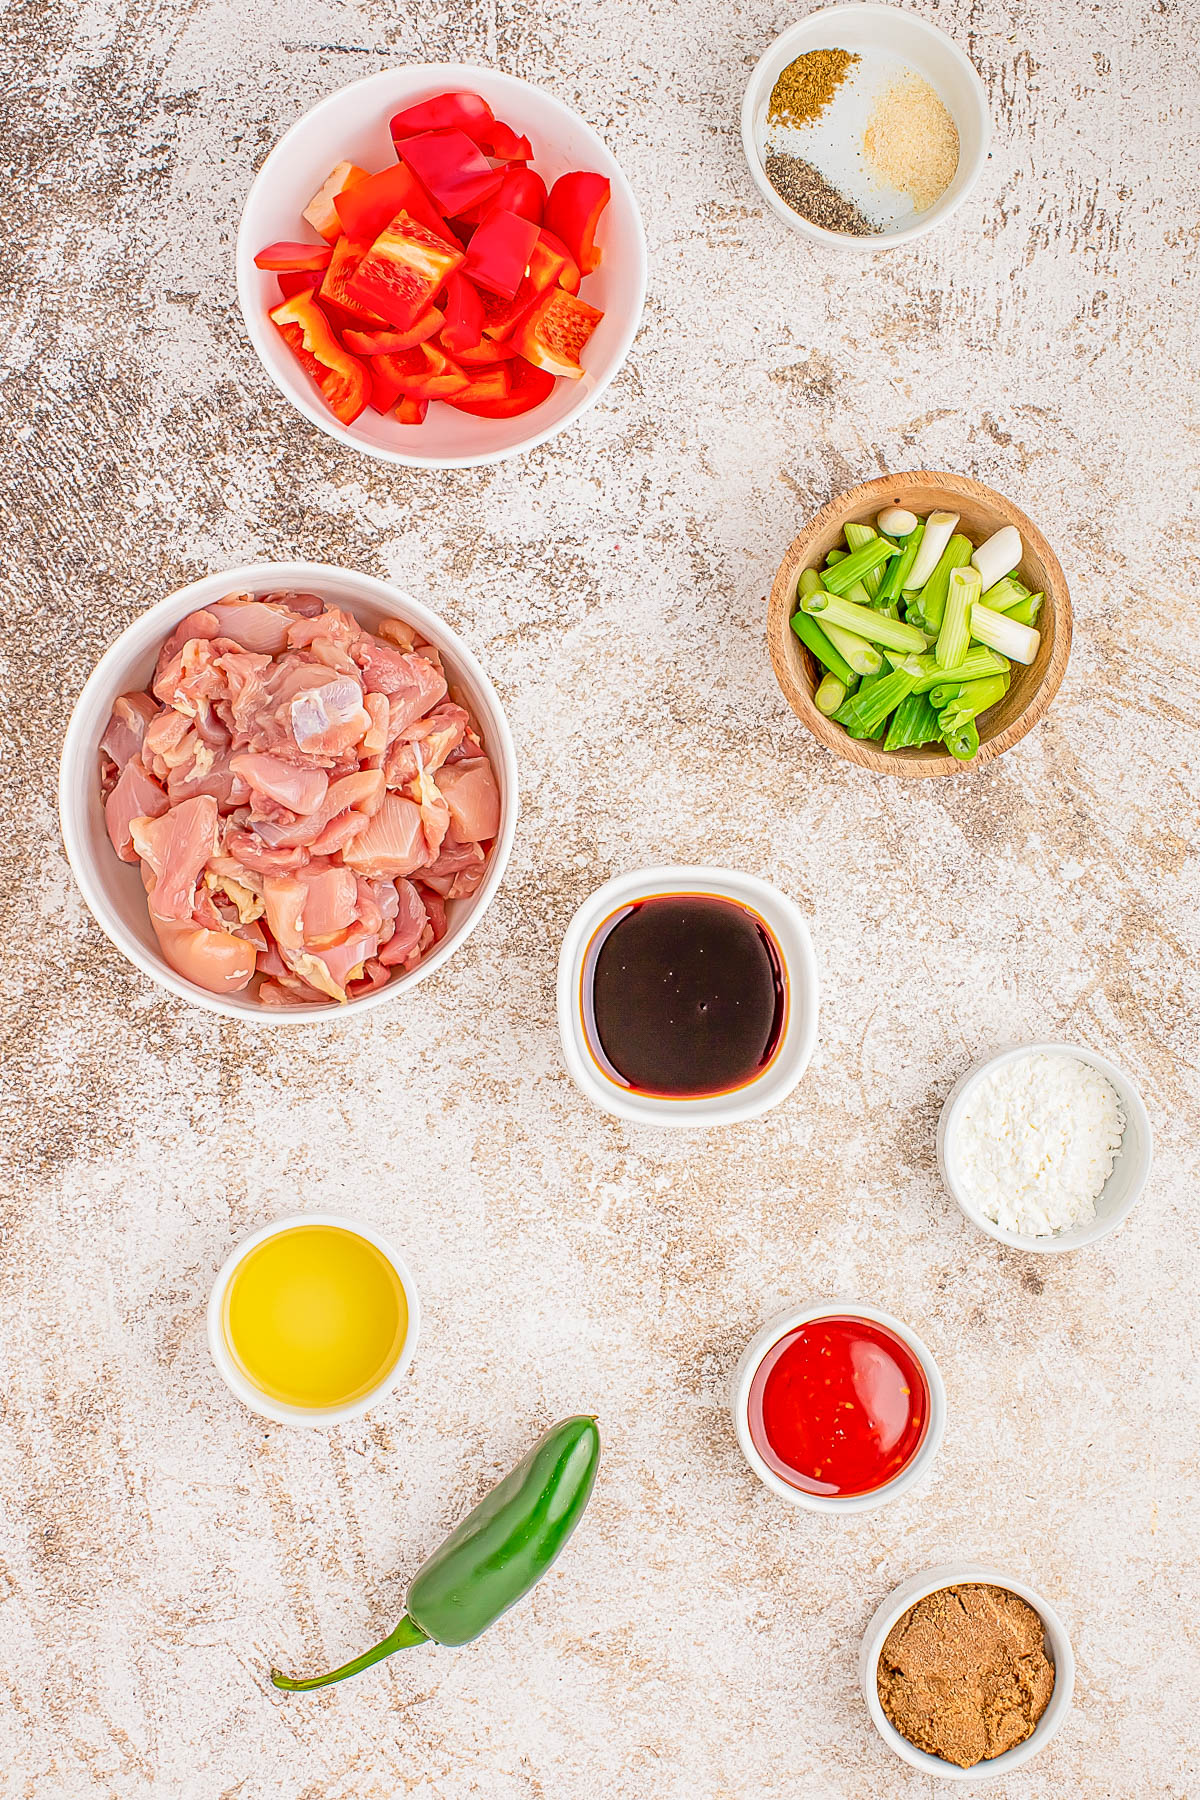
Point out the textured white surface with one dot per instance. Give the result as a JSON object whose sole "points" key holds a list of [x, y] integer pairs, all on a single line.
{"points": [[159, 1545]]}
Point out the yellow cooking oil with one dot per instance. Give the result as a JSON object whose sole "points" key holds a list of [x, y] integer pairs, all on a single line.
{"points": [[315, 1316]]}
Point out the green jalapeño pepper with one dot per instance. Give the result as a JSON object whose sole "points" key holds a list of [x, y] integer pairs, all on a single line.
{"points": [[498, 1552]]}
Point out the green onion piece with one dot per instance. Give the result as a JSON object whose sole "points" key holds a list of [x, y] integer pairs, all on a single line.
{"points": [[856, 536], [1025, 612], [927, 609], [830, 694], [944, 693], [864, 712], [1006, 592], [975, 664], [852, 568], [836, 556], [963, 743], [972, 698], [954, 638], [1000, 631], [831, 609], [863, 658], [814, 639], [896, 572], [913, 722], [809, 583], [938, 529]]}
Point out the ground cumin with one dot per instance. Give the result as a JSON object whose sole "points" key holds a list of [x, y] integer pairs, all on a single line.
{"points": [[805, 88], [964, 1674]]}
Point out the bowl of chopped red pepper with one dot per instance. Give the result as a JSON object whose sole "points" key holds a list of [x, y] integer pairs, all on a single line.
{"points": [[441, 265]]}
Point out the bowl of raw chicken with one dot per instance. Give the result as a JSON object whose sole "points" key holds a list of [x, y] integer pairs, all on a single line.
{"points": [[288, 793]]}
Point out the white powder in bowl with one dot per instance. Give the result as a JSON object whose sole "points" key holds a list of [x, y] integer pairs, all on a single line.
{"points": [[1036, 1141]]}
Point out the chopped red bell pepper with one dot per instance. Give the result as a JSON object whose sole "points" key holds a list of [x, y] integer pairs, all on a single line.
{"points": [[464, 314], [334, 289], [452, 168], [573, 212], [342, 379], [369, 205], [498, 254], [483, 354], [502, 142], [528, 387], [412, 412], [290, 257], [320, 212], [294, 281], [488, 384], [387, 341], [403, 270], [521, 191], [427, 373], [459, 111], [554, 331], [550, 264], [386, 388]]}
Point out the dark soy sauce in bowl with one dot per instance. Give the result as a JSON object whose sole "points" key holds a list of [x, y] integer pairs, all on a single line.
{"points": [[684, 995]]}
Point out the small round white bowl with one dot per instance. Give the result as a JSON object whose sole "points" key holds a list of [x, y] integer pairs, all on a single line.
{"points": [[926, 50], [113, 889], [1121, 1191], [785, 922], [1058, 1650], [352, 125], [252, 1396], [743, 1381]]}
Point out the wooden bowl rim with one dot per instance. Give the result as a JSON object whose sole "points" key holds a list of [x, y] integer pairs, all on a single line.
{"points": [[799, 697]]}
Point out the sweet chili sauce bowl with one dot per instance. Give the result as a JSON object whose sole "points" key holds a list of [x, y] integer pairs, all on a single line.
{"points": [[781, 1327], [981, 512], [230, 1368], [352, 124], [786, 927], [1058, 1652], [113, 889]]}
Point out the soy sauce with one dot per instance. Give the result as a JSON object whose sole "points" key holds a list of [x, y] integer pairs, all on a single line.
{"points": [[684, 995]]}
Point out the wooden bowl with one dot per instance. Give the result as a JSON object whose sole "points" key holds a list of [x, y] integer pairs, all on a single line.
{"points": [[981, 512]]}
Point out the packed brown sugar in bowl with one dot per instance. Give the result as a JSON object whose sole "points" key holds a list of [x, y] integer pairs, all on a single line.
{"points": [[684, 995]]}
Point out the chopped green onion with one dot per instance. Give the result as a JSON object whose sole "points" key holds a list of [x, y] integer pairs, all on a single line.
{"points": [[973, 698], [830, 694], [998, 555], [1005, 594], [913, 722], [864, 713], [954, 638], [927, 609], [943, 694], [963, 743], [875, 627], [815, 640], [897, 571], [835, 556], [856, 537], [1025, 612], [974, 665], [853, 567], [1000, 631], [939, 527], [863, 658]]}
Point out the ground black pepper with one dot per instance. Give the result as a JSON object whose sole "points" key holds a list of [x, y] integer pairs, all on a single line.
{"points": [[807, 192]]}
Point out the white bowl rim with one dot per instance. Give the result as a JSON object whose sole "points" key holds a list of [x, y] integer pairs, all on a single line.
{"points": [[768, 1336], [779, 911], [897, 1603], [454, 74], [251, 577], [244, 1389], [1075, 1237], [934, 215]]}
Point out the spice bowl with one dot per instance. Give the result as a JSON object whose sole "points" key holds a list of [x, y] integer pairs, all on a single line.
{"points": [[1058, 1652], [1122, 1190], [911, 40], [792, 1040], [981, 512], [743, 1402]]}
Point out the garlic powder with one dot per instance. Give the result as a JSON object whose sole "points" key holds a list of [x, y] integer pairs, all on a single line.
{"points": [[1036, 1141]]}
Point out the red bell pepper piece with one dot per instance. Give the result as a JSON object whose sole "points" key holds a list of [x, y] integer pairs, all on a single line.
{"points": [[468, 113], [427, 373], [502, 142], [498, 254], [402, 271], [483, 354], [452, 168], [342, 379], [464, 314], [550, 265], [521, 191], [387, 341], [334, 289], [369, 205], [573, 212], [554, 331], [528, 387], [294, 281], [386, 388], [487, 384], [412, 412], [290, 257], [320, 212]]}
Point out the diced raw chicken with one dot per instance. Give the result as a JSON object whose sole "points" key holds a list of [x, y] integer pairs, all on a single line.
{"points": [[253, 624], [135, 796], [302, 790], [330, 902], [177, 846], [330, 718], [470, 791], [392, 844], [411, 921], [126, 730], [216, 960], [458, 870]]}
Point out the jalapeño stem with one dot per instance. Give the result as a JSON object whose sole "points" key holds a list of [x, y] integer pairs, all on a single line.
{"points": [[405, 1635]]}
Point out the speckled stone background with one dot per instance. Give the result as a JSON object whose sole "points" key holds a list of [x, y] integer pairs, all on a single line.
{"points": [[158, 1545]]}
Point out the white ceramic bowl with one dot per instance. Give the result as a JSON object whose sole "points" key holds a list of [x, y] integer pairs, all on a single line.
{"points": [[743, 1381], [352, 124], [113, 889], [253, 1397], [1058, 1650], [914, 41], [1121, 1191], [785, 922]]}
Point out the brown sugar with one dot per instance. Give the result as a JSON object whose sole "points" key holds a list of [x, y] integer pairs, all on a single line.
{"points": [[964, 1674]]}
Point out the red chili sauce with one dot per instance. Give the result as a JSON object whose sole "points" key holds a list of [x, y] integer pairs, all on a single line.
{"points": [[839, 1406]]}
